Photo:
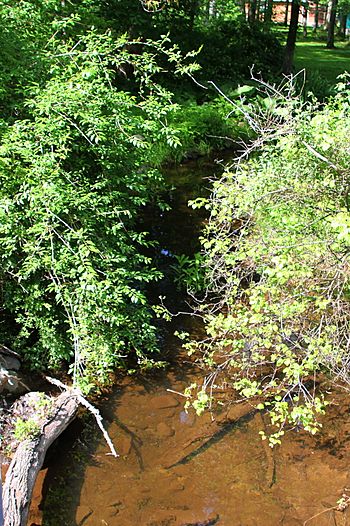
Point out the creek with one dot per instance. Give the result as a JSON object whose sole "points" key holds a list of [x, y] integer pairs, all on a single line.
{"points": [[177, 469]]}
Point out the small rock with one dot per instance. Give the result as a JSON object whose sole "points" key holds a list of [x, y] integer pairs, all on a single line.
{"points": [[205, 522], [9, 362], [176, 485], [164, 431], [187, 418], [162, 518], [168, 413], [8, 381]]}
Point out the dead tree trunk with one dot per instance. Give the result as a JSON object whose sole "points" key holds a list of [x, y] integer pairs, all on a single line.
{"points": [[328, 14], [212, 8], [29, 458], [304, 21], [317, 14], [342, 25], [268, 12], [252, 11]]}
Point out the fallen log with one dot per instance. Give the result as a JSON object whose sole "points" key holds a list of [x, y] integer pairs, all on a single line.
{"points": [[29, 457]]}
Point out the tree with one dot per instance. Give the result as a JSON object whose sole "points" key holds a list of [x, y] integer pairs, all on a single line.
{"points": [[268, 11], [344, 9], [286, 13], [331, 25], [305, 9], [291, 39], [317, 13], [75, 174], [212, 8], [252, 11]]}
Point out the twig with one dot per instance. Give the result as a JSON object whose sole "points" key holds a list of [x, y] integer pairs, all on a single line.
{"points": [[98, 418], [320, 156], [176, 392], [319, 513], [88, 406]]}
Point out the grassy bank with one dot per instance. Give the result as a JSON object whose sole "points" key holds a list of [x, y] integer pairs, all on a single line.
{"points": [[311, 53], [315, 57]]}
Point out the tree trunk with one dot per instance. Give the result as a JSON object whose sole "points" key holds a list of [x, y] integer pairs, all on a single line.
{"points": [[29, 458], [304, 21], [258, 10], [212, 8], [342, 25], [252, 12], [328, 14], [286, 13], [268, 12], [291, 39], [193, 11], [317, 14], [331, 26]]}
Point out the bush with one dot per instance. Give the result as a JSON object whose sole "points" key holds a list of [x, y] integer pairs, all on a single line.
{"points": [[201, 128], [231, 48], [277, 252], [74, 176]]}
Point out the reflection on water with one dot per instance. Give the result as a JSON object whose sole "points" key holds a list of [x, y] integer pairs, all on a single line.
{"points": [[176, 469]]}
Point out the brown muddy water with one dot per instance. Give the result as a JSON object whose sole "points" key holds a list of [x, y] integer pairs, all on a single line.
{"points": [[177, 469]]}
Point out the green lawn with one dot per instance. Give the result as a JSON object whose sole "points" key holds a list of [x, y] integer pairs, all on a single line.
{"points": [[314, 56]]}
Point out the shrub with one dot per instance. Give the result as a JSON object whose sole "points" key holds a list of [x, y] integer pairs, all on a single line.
{"points": [[74, 176], [277, 252], [229, 48], [26, 429]]}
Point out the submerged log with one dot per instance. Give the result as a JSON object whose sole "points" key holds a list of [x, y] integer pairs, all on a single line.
{"points": [[29, 457]]}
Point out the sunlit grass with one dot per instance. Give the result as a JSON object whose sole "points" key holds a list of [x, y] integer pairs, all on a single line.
{"points": [[311, 53], [314, 56]]}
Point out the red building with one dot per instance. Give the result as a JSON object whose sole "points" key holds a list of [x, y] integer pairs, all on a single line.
{"points": [[279, 13]]}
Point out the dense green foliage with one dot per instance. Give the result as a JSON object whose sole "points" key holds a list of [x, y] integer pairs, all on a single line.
{"points": [[230, 48], [277, 251], [86, 120], [88, 117], [74, 174]]}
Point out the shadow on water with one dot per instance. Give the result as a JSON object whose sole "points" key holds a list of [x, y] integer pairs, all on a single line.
{"points": [[218, 435]]}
